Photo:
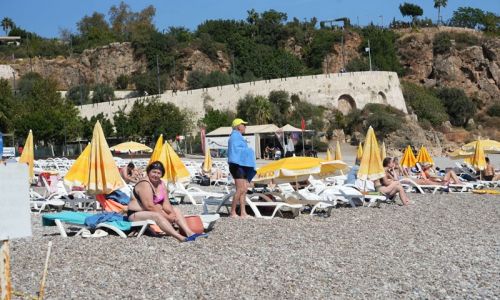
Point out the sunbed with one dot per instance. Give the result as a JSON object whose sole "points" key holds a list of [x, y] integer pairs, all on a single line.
{"points": [[77, 219]]}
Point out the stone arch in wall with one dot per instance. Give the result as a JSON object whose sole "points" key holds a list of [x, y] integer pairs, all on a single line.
{"points": [[346, 103], [382, 98]]}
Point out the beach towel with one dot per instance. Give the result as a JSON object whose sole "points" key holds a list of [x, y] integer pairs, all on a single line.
{"points": [[117, 219], [238, 151], [78, 218], [119, 196]]}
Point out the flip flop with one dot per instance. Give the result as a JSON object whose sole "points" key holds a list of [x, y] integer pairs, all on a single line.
{"points": [[99, 233], [86, 233]]}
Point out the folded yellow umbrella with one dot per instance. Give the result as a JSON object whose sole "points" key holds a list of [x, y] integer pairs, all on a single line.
{"points": [[478, 160], [359, 154], [423, 156], [489, 146], [288, 169], [338, 153], [383, 151], [207, 162], [408, 160], [328, 154], [104, 176], [157, 151], [175, 170], [28, 155], [371, 167], [130, 147], [78, 174]]}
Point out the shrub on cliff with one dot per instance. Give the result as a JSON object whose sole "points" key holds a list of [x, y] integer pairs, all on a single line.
{"points": [[384, 119], [423, 103], [458, 106], [494, 110], [78, 94], [103, 93]]}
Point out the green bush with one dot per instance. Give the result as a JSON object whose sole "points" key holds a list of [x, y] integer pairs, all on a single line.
{"points": [[214, 119], [198, 79], [147, 83], [424, 103], [494, 110], [122, 82], [442, 43], [103, 93], [79, 94], [384, 119], [458, 106]]}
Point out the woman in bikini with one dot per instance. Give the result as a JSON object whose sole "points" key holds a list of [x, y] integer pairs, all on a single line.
{"points": [[388, 185], [150, 202], [429, 177]]}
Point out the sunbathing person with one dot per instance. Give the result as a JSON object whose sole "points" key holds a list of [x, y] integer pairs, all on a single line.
{"points": [[150, 202], [389, 186], [129, 173], [489, 172], [429, 177]]}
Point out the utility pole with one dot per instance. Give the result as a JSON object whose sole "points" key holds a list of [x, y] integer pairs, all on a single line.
{"points": [[158, 74], [14, 82], [345, 22], [81, 86], [173, 77], [234, 68]]}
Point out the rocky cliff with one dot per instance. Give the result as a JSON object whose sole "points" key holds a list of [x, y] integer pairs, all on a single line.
{"points": [[474, 68]]}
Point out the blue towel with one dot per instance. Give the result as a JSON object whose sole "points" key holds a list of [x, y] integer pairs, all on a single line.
{"points": [[238, 151], [108, 217], [80, 218], [119, 197]]}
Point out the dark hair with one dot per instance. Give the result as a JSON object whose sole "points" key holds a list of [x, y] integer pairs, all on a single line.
{"points": [[487, 159], [386, 161], [131, 165], [156, 165]]}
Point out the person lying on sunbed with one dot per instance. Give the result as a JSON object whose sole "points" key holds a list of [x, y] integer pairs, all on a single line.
{"points": [[428, 177], [150, 202], [388, 186]]}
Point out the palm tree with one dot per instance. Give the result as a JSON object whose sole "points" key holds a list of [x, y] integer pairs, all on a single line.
{"points": [[262, 110], [438, 4], [7, 25]]}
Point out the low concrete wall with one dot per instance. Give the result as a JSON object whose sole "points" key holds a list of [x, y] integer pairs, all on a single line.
{"points": [[342, 91]]}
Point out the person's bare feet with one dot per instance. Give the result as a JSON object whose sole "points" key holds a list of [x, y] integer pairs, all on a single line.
{"points": [[234, 216], [247, 217]]}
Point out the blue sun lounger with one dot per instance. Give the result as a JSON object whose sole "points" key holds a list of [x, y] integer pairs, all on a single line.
{"points": [[78, 219]]}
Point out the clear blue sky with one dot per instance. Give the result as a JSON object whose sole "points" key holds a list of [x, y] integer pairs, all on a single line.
{"points": [[47, 17]]}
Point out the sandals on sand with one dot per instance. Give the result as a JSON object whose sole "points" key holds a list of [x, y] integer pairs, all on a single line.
{"points": [[98, 233]]}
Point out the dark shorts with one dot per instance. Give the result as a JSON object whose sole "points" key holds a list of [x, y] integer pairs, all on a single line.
{"points": [[237, 171], [488, 177]]}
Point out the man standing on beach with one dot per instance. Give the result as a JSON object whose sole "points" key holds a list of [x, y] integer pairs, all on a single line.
{"points": [[241, 159]]}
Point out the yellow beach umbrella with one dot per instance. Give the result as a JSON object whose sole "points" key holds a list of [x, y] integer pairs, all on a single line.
{"points": [[131, 147], [207, 162], [459, 154], [408, 160], [104, 176], [328, 154], [292, 168], [424, 156], [78, 174], [338, 153], [489, 146], [157, 151], [371, 167], [478, 159], [28, 155], [383, 151], [359, 154], [175, 170]]}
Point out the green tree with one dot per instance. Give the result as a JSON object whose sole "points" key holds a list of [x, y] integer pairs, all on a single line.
{"points": [[383, 118], [120, 17], [383, 49], [281, 103], [256, 109], [6, 106], [215, 118], [124, 128], [458, 106], [438, 4], [122, 82], [7, 25], [88, 126], [94, 31], [468, 17], [412, 10], [42, 109], [103, 93]]}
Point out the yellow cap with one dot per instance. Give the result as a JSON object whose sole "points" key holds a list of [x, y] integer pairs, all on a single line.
{"points": [[237, 122]]}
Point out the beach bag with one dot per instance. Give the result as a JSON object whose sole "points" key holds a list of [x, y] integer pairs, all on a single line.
{"points": [[205, 181], [194, 223]]}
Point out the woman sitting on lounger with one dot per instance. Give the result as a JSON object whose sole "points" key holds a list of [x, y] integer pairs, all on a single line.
{"points": [[388, 186], [150, 202]]}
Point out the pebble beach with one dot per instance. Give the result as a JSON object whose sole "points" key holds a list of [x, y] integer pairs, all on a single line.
{"points": [[441, 246]]}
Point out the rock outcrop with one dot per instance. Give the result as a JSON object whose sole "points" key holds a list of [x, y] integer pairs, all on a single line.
{"points": [[102, 65], [475, 69]]}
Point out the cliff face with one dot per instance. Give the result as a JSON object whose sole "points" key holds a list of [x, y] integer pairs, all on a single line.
{"points": [[102, 65], [475, 68]]}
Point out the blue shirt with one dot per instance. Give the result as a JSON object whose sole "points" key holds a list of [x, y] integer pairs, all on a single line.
{"points": [[238, 151], [352, 175]]}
